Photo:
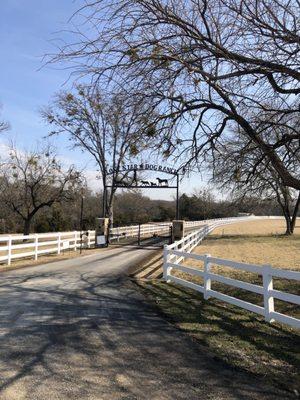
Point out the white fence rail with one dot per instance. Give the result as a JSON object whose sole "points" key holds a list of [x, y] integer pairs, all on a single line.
{"points": [[192, 240], [142, 230], [158, 228], [19, 246], [177, 252], [14, 247]]}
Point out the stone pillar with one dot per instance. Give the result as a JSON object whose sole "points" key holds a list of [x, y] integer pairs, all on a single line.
{"points": [[101, 236], [177, 230]]}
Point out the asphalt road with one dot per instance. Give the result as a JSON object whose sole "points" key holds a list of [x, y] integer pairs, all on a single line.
{"points": [[78, 329]]}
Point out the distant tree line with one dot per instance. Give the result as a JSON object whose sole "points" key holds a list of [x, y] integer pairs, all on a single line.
{"points": [[132, 208]]}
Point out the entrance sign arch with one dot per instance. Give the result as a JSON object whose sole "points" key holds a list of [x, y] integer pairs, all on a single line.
{"points": [[136, 183]]}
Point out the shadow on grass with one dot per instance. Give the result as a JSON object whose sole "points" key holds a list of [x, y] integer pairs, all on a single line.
{"points": [[235, 336]]}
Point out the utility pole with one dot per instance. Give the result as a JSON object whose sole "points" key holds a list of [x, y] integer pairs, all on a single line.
{"points": [[177, 197], [81, 221]]}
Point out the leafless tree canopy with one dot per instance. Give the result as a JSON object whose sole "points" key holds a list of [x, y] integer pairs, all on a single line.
{"points": [[110, 128], [242, 170], [3, 125], [32, 181], [210, 68]]}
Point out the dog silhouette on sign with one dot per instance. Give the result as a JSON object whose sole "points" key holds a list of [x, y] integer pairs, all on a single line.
{"points": [[164, 182]]}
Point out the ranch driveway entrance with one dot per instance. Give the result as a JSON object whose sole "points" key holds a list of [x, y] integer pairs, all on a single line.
{"points": [[77, 329], [142, 235]]}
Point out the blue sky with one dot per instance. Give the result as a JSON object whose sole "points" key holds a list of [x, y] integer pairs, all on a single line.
{"points": [[28, 30]]}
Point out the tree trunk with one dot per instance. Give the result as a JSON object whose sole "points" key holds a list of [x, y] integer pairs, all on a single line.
{"points": [[110, 207], [287, 217], [285, 206], [295, 213], [27, 225], [110, 214]]}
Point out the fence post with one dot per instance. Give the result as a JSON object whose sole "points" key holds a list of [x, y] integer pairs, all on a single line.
{"points": [[177, 247], [165, 266], [206, 280], [75, 240], [139, 235], [89, 239], [171, 234], [58, 243], [36, 246], [268, 298], [9, 250]]}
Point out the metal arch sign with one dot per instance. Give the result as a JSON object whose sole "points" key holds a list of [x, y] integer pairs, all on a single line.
{"points": [[136, 183], [144, 167]]}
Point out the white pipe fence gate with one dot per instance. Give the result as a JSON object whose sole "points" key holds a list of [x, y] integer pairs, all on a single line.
{"points": [[142, 230], [180, 251]]}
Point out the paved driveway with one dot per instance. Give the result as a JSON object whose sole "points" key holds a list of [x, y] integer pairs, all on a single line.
{"points": [[78, 329]]}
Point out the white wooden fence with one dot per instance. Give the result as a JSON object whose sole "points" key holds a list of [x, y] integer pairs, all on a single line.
{"points": [[14, 247], [19, 246], [159, 228], [135, 230], [179, 251]]}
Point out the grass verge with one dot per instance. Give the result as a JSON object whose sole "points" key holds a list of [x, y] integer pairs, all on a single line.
{"points": [[235, 336]]}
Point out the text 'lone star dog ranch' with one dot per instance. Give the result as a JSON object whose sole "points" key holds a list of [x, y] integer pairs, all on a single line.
{"points": [[144, 167]]}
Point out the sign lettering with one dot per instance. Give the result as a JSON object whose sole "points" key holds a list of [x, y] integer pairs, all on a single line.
{"points": [[144, 167]]}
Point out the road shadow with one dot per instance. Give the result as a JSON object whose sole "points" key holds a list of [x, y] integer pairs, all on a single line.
{"points": [[79, 334]]}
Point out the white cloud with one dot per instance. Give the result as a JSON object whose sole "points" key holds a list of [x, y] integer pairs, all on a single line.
{"points": [[93, 181]]}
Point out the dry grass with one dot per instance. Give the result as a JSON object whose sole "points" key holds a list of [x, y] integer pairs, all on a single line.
{"points": [[255, 242], [257, 227]]}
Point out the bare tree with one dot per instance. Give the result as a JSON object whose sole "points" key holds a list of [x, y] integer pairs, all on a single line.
{"points": [[209, 68], [241, 169], [3, 125], [35, 180], [110, 128]]}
